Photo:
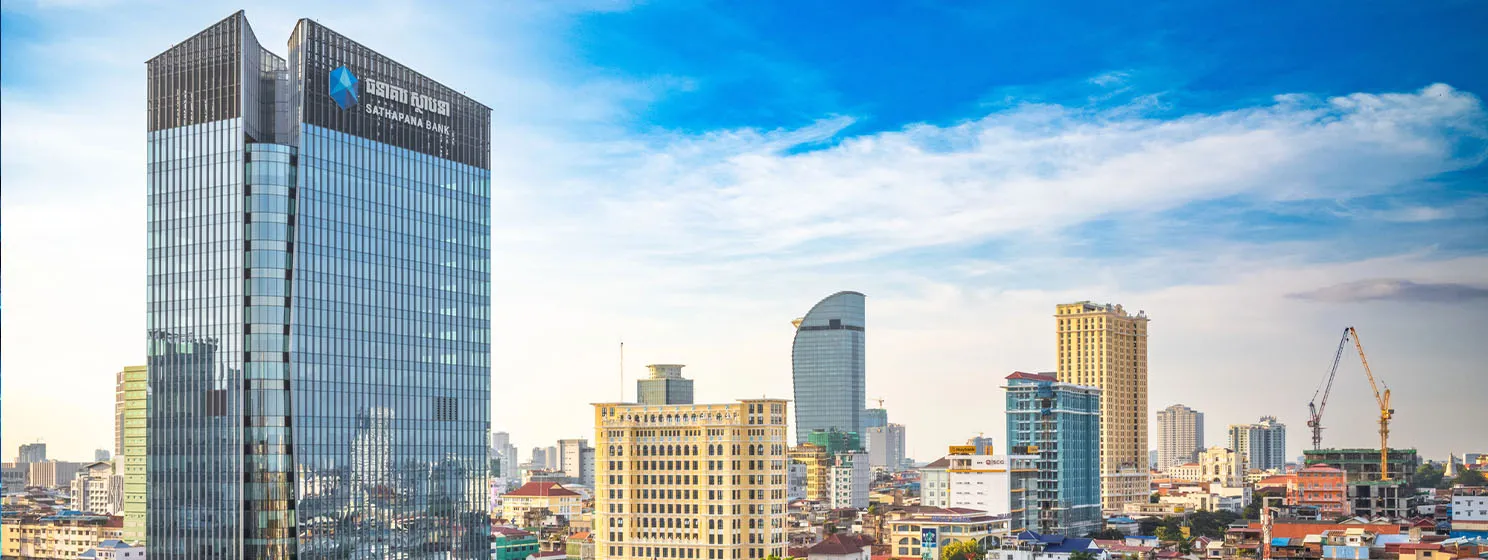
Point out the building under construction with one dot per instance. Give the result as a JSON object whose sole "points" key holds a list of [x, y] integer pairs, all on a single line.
{"points": [[1363, 465]]}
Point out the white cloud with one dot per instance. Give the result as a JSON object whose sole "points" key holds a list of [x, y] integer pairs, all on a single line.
{"points": [[700, 248], [1034, 168]]}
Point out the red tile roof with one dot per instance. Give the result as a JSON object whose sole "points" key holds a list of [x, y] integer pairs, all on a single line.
{"points": [[1033, 376], [542, 489], [510, 531], [940, 463], [839, 543]]}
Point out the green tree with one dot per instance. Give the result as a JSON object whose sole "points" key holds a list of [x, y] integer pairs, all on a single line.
{"points": [[1169, 534], [962, 550], [1470, 477], [1152, 499], [1081, 555], [1107, 534], [1428, 476]]}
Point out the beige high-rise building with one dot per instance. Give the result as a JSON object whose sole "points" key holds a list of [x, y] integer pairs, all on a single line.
{"points": [[1180, 436], [690, 481], [134, 431], [1104, 346]]}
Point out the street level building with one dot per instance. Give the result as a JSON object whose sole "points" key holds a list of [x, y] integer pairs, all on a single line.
{"points": [[1105, 347], [665, 386], [827, 366], [549, 501], [699, 481], [1180, 436], [59, 534], [909, 528], [1061, 424], [318, 334]]}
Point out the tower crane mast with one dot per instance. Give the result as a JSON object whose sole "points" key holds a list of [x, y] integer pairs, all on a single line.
{"points": [[1386, 413], [1316, 406]]}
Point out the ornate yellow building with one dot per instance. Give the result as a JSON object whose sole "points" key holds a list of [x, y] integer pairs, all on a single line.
{"points": [[1104, 346], [694, 481], [818, 468]]}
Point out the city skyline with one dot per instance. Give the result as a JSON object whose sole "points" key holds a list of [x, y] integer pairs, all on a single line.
{"points": [[1252, 210]]}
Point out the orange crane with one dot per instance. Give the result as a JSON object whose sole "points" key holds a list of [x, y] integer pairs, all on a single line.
{"points": [[1316, 407], [1386, 413]]}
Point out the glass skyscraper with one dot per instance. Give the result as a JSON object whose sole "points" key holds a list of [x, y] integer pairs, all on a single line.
{"points": [[318, 303], [1060, 423], [827, 367]]}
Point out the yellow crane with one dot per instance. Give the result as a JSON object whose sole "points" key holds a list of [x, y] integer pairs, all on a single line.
{"points": [[1384, 406]]}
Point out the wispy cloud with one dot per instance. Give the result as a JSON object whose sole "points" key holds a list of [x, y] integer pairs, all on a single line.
{"points": [[1030, 170], [1394, 290]]}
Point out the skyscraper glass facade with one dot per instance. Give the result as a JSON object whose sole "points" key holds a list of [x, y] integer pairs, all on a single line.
{"points": [[318, 303], [1059, 423], [827, 366]]}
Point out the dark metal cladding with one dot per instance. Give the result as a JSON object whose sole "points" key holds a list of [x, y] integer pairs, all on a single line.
{"points": [[319, 50]]}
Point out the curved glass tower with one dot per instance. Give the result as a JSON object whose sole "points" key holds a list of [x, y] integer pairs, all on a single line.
{"points": [[318, 303], [827, 366]]}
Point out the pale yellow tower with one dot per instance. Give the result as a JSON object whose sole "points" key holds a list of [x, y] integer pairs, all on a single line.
{"points": [[1104, 346], [690, 481], [133, 434]]}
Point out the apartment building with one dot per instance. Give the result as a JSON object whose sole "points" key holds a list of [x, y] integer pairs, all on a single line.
{"points": [[697, 481]]}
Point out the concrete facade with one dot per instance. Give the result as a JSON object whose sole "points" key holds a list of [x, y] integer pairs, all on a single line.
{"points": [[1105, 347], [1180, 436]]}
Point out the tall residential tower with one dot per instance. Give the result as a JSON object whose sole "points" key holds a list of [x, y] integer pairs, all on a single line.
{"points": [[1103, 346], [1180, 436], [318, 303], [827, 366], [1262, 444], [1060, 423]]}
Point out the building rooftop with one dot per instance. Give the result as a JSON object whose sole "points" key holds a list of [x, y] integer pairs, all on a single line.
{"points": [[542, 489], [841, 543], [1032, 376]]}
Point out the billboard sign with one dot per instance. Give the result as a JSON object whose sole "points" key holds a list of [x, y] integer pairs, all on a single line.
{"points": [[929, 543]]}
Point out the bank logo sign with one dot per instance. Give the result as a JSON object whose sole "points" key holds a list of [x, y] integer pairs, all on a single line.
{"points": [[344, 90], [409, 107]]}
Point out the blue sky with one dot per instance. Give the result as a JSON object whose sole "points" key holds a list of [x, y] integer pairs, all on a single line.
{"points": [[688, 177]]}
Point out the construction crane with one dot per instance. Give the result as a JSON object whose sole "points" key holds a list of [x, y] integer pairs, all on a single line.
{"points": [[1317, 405], [1386, 413]]}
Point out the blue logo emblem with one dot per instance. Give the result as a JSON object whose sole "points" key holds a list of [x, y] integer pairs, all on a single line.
{"points": [[344, 87]]}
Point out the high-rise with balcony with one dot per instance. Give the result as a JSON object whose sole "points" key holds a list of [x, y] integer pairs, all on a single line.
{"points": [[1103, 346], [1060, 424], [1262, 444], [1180, 436], [827, 366], [318, 302], [696, 481]]}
